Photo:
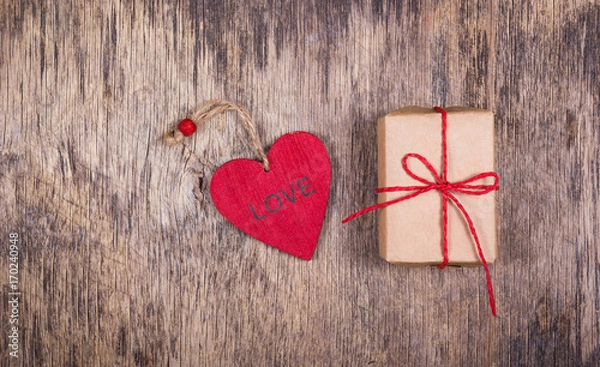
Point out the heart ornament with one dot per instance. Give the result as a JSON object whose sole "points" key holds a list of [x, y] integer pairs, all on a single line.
{"points": [[285, 206], [281, 202]]}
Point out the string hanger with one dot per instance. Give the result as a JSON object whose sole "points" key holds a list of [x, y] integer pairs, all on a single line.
{"points": [[188, 126]]}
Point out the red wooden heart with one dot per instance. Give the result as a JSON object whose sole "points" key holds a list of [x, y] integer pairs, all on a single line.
{"points": [[284, 207]]}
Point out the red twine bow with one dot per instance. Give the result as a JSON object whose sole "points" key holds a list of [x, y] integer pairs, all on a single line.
{"points": [[447, 189]]}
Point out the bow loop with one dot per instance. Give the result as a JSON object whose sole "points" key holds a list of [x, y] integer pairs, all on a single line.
{"points": [[427, 165], [467, 186]]}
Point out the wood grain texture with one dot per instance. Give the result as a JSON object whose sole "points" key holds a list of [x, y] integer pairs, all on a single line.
{"points": [[121, 265]]}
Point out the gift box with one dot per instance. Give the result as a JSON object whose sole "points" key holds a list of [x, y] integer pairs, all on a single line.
{"points": [[411, 232]]}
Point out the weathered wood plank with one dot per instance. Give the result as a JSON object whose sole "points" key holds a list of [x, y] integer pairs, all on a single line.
{"points": [[121, 265]]}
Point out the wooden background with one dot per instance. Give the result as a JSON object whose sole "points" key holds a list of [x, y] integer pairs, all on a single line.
{"points": [[121, 265]]}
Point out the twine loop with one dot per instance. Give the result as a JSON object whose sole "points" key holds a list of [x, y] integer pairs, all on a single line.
{"points": [[213, 108]]}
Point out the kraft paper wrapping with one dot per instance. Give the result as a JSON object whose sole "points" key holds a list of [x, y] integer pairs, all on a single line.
{"points": [[410, 232]]}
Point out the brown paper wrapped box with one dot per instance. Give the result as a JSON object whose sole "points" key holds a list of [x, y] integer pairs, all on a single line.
{"points": [[410, 232]]}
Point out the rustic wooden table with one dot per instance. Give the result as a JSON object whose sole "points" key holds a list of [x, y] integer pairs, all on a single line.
{"points": [[119, 263]]}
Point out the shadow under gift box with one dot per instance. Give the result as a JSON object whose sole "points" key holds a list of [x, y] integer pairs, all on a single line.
{"points": [[410, 232]]}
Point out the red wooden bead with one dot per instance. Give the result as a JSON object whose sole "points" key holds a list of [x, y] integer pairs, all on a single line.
{"points": [[187, 127]]}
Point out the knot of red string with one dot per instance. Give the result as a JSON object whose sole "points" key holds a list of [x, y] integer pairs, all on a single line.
{"points": [[447, 190]]}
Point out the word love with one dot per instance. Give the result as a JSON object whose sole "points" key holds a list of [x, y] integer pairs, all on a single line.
{"points": [[274, 202]]}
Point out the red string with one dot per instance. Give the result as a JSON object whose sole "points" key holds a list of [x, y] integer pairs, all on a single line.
{"points": [[445, 188]]}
